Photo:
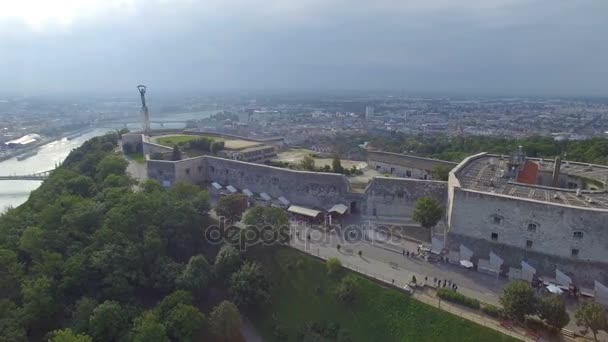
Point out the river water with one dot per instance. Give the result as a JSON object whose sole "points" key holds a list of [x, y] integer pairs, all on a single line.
{"points": [[14, 193]]}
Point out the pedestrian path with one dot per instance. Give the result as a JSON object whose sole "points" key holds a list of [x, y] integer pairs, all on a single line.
{"points": [[395, 276]]}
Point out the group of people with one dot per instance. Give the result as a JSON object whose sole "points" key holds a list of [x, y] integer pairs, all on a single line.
{"points": [[446, 283]]}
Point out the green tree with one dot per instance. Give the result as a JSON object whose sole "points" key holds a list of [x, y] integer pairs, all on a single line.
{"points": [[227, 261], [427, 212], [195, 276], [81, 186], [308, 163], [39, 305], [171, 301], [109, 322], [333, 265], [11, 326], [147, 328], [336, 165], [217, 146], [592, 316], [67, 335], [347, 290], [225, 320], [553, 310], [276, 218], [111, 165], [176, 154], [518, 300], [441, 173], [231, 207], [82, 313], [249, 286], [32, 242], [184, 322], [12, 271]]}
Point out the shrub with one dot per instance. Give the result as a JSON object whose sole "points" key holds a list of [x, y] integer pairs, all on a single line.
{"points": [[492, 310], [538, 325], [455, 297], [346, 292], [333, 265]]}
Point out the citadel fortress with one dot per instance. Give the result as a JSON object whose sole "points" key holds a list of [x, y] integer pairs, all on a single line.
{"points": [[507, 214]]}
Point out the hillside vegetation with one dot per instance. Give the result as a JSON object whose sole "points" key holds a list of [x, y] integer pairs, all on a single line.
{"points": [[305, 296]]}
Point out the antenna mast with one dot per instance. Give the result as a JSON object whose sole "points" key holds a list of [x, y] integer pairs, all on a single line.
{"points": [[144, 108]]}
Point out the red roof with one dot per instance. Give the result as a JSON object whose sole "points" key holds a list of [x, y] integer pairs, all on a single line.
{"points": [[528, 173]]}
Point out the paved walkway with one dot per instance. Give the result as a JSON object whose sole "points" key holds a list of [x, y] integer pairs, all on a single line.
{"points": [[385, 261], [393, 274]]}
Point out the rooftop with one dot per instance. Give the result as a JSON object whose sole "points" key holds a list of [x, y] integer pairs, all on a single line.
{"points": [[485, 173]]}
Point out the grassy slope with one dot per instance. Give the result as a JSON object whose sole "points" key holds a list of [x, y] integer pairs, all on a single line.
{"points": [[176, 139], [303, 292]]}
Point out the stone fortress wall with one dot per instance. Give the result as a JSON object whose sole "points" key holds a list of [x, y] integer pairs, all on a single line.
{"points": [[390, 198], [471, 216], [314, 189], [406, 166], [531, 225]]}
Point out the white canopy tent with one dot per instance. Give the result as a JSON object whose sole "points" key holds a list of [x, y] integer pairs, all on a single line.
{"points": [[217, 186], [247, 192], [601, 293], [554, 289], [527, 272], [294, 209], [283, 200], [265, 196], [436, 245], [339, 209], [231, 189], [562, 279], [495, 262], [466, 264], [465, 253]]}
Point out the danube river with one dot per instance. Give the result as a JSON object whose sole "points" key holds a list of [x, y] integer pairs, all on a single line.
{"points": [[13, 193]]}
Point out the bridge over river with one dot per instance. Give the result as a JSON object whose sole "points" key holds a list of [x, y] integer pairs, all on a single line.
{"points": [[38, 176]]}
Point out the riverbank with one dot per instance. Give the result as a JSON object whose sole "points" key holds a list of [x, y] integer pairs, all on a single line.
{"points": [[70, 135]]}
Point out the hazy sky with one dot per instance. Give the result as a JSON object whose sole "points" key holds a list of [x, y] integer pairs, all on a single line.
{"points": [[443, 46]]}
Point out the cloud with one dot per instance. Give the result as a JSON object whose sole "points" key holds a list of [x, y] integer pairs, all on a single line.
{"points": [[510, 46]]}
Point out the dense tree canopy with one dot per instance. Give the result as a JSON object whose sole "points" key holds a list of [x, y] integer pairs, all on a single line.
{"points": [[225, 320], [249, 286], [86, 255], [227, 262], [196, 275]]}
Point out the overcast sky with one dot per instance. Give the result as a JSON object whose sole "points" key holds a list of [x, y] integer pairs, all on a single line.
{"points": [[442, 46]]}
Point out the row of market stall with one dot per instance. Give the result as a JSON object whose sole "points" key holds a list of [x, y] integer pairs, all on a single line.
{"points": [[308, 214], [561, 284]]}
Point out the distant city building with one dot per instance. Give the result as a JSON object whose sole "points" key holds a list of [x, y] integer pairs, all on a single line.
{"points": [[23, 141], [369, 112], [244, 116], [255, 153]]}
